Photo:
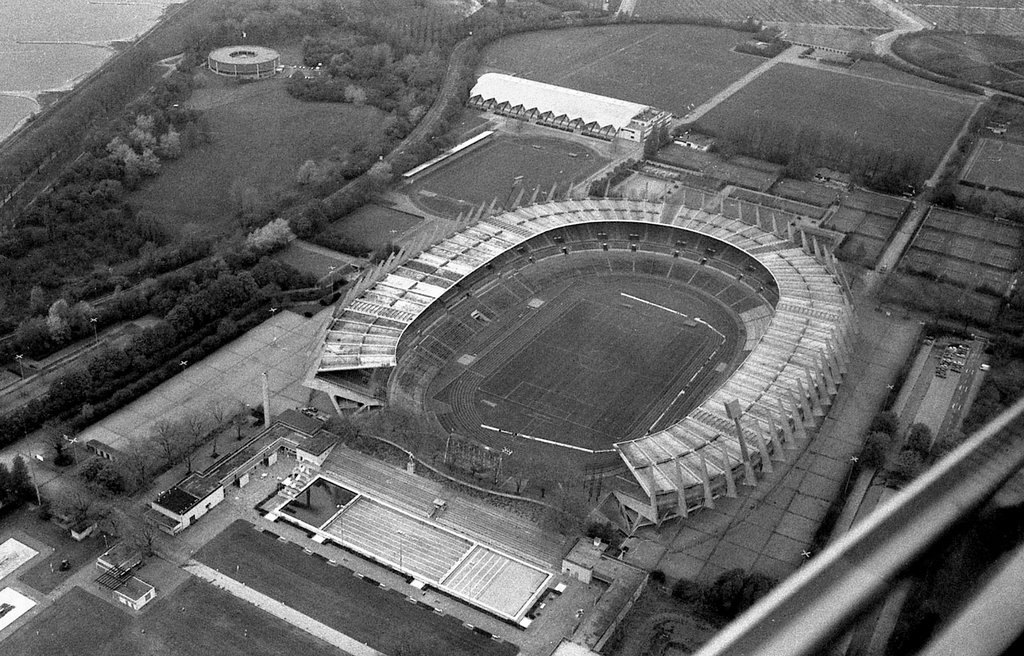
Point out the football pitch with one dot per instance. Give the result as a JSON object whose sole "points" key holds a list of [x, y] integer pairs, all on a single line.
{"points": [[502, 169], [381, 618], [603, 360]]}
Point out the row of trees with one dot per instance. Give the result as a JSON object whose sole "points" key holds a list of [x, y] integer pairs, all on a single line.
{"points": [[802, 149], [15, 483]]}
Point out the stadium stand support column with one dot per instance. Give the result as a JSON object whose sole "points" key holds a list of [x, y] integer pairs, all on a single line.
{"points": [[805, 404], [828, 373], [778, 454], [787, 428], [762, 447], [817, 248], [748, 469], [533, 196], [823, 388], [730, 483], [783, 438], [817, 403], [705, 479], [680, 488]]}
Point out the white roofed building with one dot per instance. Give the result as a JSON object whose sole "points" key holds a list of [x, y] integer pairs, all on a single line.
{"points": [[565, 109]]}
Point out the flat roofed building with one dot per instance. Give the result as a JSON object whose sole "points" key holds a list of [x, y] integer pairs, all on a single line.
{"points": [[565, 109]]}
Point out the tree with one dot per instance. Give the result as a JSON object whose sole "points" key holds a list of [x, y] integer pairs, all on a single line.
{"points": [[20, 482], [167, 437], [56, 435], [58, 321], [273, 236], [919, 438], [872, 456], [885, 422], [907, 466]]}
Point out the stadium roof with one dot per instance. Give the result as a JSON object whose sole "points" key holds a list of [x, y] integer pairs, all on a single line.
{"points": [[789, 345], [589, 107]]}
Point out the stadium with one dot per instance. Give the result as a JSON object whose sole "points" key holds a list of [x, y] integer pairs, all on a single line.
{"points": [[691, 348], [244, 62]]}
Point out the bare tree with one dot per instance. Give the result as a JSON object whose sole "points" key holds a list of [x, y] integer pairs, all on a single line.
{"points": [[167, 436]]}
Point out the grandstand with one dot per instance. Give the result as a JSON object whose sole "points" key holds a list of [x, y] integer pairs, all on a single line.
{"points": [[488, 558], [565, 109], [785, 288]]}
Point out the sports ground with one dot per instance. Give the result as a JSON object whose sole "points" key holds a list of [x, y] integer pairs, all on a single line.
{"points": [[358, 607], [602, 360], [197, 619], [667, 66], [891, 117], [996, 164], [503, 168]]}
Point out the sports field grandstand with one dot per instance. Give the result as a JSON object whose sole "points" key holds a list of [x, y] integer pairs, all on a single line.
{"points": [[492, 559], [782, 288]]}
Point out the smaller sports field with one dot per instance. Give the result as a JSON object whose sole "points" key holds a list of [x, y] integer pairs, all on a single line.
{"points": [[995, 164], [892, 117], [502, 169], [197, 619], [381, 618]]}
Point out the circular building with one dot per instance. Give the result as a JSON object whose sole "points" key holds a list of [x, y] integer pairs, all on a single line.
{"points": [[246, 62]]}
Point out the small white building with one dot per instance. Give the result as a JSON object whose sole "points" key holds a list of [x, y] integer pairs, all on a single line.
{"points": [[582, 558]]}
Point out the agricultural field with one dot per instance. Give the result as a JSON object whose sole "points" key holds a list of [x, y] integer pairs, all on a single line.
{"points": [[383, 619], [501, 169], [967, 250], [972, 16], [816, 12], [878, 114], [672, 67], [988, 59], [869, 220], [196, 620], [259, 137]]}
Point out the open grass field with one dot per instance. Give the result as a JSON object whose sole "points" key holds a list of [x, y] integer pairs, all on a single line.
{"points": [[896, 118], [857, 14], [973, 16], [501, 169], [989, 59], [668, 66], [374, 225], [383, 619], [966, 249], [196, 620], [603, 360], [259, 137], [995, 164]]}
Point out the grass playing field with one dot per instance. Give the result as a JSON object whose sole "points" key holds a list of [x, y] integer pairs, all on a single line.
{"points": [[259, 137], [605, 357], [997, 164], [502, 168], [373, 225], [668, 66], [196, 620], [383, 619], [905, 119], [861, 14]]}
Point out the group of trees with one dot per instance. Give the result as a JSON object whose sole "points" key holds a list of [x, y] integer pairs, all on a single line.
{"points": [[904, 465], [84, 223], [802, 149], [731, 593]]}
